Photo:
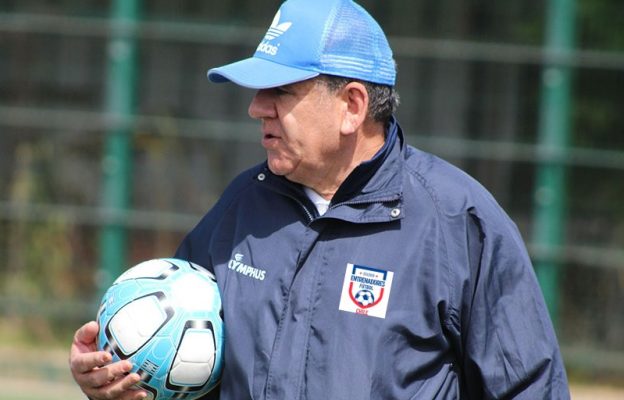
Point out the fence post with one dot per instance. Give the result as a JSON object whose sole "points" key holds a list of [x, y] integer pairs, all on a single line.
{"points": [[117, 159], [553, 136]]}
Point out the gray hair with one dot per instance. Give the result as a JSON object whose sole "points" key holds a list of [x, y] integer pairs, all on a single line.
{"points": [[383, 100]]}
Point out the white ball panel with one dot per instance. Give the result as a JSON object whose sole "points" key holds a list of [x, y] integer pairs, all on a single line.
{"points": [[193, 363], [191, 293], [190, 374], [146, 269], [136, 322], [197, 346]]}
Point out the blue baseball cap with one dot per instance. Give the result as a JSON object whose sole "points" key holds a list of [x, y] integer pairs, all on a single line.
{"points": [[312, 37]]}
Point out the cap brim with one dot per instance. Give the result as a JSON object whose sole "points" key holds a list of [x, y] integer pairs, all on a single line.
{"points": [[257, 73]]}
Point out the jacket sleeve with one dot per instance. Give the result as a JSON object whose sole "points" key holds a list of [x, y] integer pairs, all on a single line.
{"points": [[507, 342], [195, 246]]}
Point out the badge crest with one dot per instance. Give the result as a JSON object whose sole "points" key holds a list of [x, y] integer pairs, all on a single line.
{"points": [[365, 290]]}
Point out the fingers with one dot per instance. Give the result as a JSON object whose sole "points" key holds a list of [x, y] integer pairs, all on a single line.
{"points": [[84, 339], [119, 389], [81, 363], [93, 372], [112, 381], [100, 377], [83, 355], [87, 333]]}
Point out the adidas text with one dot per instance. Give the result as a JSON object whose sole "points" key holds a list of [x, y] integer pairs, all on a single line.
{"points": [[266, 48]]}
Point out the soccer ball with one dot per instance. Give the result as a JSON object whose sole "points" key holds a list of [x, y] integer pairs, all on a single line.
{"points": [[365, 297], [165, 316]]}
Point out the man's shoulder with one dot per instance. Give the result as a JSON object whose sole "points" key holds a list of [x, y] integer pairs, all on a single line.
{"points": [[238, 187], [243, 181], [235, 190], [451, 189]]}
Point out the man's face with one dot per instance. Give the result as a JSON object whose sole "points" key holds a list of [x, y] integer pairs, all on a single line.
{"points": [[300, 128]]}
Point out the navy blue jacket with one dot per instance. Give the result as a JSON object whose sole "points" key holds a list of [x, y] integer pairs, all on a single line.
{"points": [[414, 285]]}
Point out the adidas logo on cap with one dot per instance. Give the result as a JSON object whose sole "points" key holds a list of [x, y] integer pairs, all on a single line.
{"points": [[276, 30]]}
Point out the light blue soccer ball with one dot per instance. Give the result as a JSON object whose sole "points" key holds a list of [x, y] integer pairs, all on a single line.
{"points": [[165, 316]]}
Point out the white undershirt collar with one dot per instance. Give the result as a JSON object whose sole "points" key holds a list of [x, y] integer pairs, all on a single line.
{"points": [[320, 203]]}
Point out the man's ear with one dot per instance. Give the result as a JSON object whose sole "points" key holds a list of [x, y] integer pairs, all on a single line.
{"points": [[355, 96]]}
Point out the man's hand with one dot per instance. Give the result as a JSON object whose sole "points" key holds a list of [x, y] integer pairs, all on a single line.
{"points": [[96, 376]]}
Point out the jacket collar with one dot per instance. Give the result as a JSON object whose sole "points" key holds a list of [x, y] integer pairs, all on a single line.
{"points": [[371, 193], [377, 178]]}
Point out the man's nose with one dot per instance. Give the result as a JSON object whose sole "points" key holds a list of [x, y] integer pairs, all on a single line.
{"points": [[262, 105]]}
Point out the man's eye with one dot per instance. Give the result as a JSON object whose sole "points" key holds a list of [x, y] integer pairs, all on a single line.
{"points": [[280, 90]]}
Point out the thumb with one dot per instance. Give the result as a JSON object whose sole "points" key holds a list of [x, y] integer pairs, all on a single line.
{"points": [[86, 334]]}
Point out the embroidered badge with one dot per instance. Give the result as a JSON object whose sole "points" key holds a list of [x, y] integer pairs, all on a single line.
{"points": [[366, 291]]}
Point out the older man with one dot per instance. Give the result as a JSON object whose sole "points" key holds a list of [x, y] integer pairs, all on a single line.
{"points": [[374, 270]]}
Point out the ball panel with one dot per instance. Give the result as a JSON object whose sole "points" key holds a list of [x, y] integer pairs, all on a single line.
{"points": [[194, 360], [189, 374], [192, 292], [197, 346], [154, 269], [136, 323]]}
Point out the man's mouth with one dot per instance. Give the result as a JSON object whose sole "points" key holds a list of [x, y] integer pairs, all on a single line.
{"points": [[269, 140]]}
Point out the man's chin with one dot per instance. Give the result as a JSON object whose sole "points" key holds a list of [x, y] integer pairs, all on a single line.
{"points": [[279, 168]]}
